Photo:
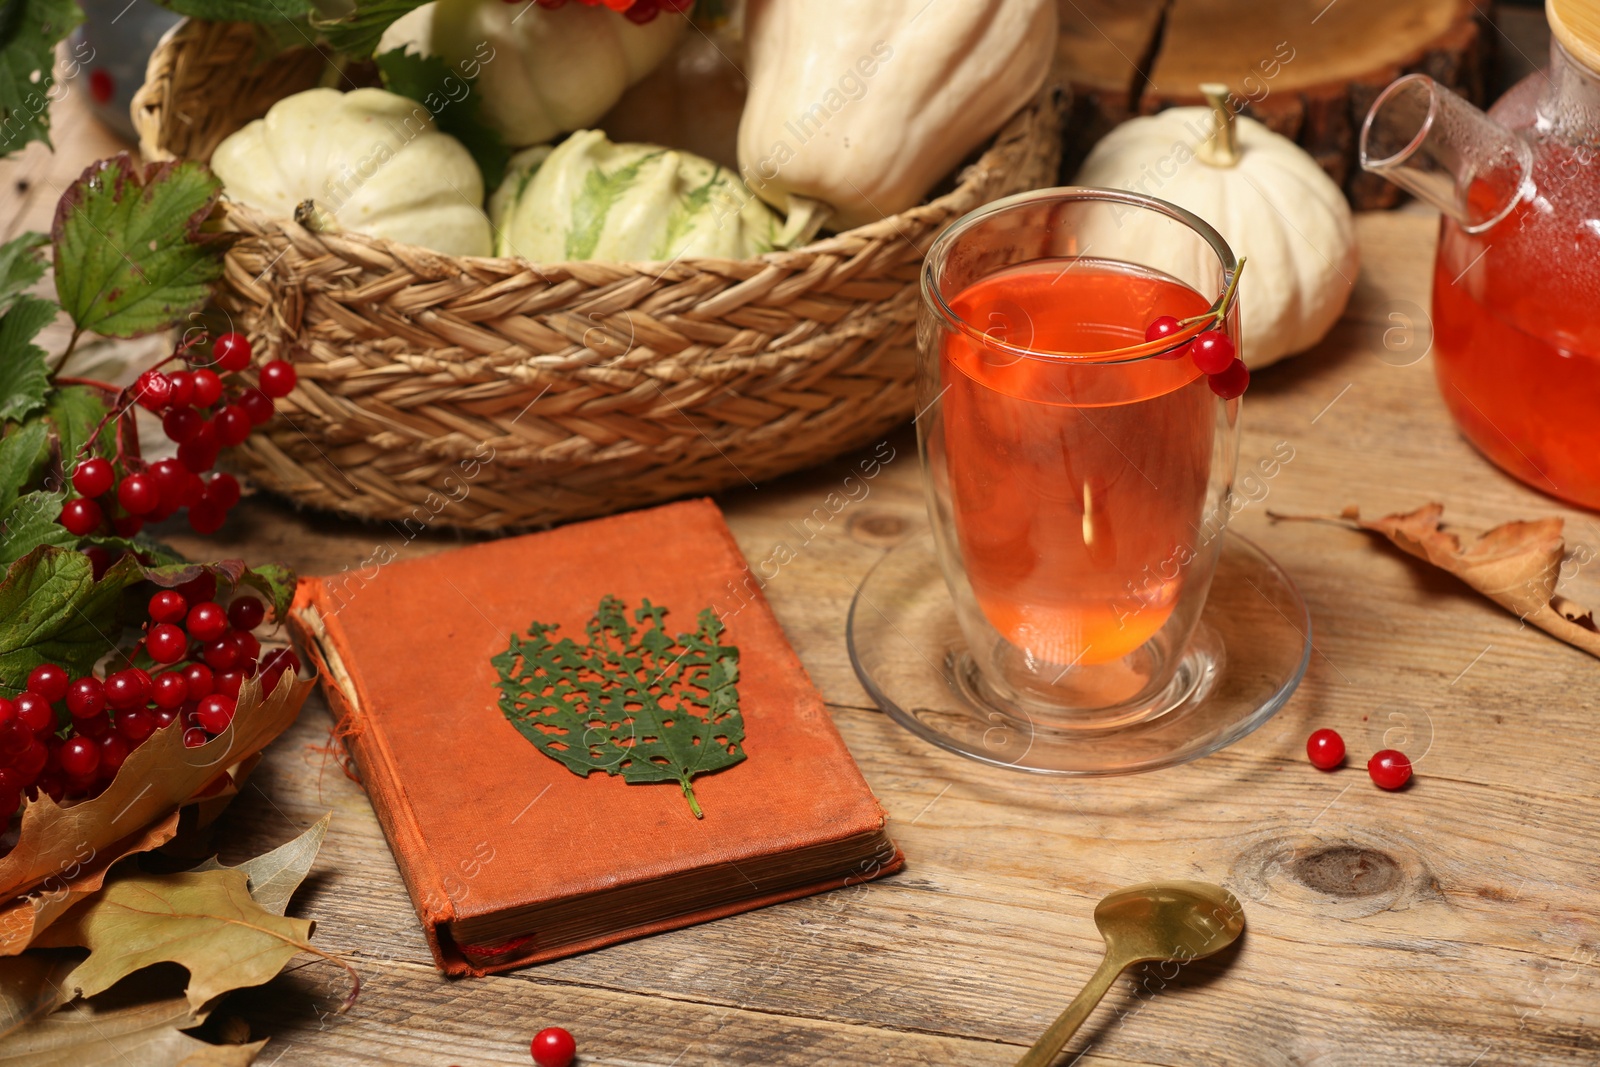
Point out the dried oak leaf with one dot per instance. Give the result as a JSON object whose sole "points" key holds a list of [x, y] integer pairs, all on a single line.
{"points": [[205, 921], [160, 776], [111, 1035], [275, 875], [26, 917], [1517, 565]]}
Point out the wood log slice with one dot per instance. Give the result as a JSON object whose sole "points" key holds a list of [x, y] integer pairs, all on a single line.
{"points": [[1308, 69]]}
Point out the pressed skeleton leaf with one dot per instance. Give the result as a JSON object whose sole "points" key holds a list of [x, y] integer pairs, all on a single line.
{"points": [[632, 701]]}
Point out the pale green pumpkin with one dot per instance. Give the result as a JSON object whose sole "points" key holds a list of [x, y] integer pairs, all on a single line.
{"points": [[590, 199]]}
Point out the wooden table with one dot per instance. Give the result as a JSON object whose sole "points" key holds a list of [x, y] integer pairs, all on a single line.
{"points": [[1454, 923]]}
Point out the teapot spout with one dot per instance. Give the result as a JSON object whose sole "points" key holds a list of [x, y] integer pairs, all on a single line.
{"points": [[1439, 147]]}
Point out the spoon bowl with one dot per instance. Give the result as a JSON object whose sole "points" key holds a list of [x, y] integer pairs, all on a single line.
{"points": [[1174, 920], [1169, 921]]}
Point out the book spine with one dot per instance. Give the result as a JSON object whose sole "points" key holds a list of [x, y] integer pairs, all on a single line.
{"points": [[363, 737]]}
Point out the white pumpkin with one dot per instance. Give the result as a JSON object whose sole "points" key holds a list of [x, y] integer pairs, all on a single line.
{"points": [[371, 162], [541, 72], [1268, 199]]}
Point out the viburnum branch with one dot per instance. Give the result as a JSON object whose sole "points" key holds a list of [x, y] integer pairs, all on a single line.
{"points": [[1228, 296]]}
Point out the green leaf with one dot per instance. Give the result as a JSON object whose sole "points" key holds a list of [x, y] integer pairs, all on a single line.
{"points": [[23, 452], [24, 375], [74, 411], [129, 255], [274, 580], [242, 10], [52, 610], [21, 265], [33, 521], [358, 33], [29, 32], [631, 701], [430, 82]]}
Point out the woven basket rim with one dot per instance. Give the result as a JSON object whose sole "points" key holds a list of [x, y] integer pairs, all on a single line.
{"points": [[146, 120]]}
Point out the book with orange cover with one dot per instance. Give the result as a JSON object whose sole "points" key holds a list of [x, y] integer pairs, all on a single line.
{"points": [[510, 857]]}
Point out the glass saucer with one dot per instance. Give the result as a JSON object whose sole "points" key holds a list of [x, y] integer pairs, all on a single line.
{"points": [[1248, 655]]}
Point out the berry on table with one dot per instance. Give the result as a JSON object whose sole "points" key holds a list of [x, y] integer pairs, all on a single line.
{"points": [[232, 351], [49, 681], [1389, 769], [81, 516], [168, 606], [1325, 749], [93, 476], [1231, 382], [553, 1047]]}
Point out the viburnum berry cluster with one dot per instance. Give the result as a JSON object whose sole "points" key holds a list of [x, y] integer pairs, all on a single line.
{"points": [[640, 11], [202, 411], [1212, 350], [68, 737]]}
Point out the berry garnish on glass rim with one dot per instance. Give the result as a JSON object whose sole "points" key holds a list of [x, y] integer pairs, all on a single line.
{"points": [[1212, 349]]}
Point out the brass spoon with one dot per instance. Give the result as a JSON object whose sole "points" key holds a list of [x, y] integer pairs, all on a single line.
{"points": [[1179, 921]]}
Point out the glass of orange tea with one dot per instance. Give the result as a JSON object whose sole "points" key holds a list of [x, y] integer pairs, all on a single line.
{"points": [[1076, 471], [1080, 604]]}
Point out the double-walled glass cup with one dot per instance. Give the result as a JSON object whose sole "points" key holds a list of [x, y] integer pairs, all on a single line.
{"points": [[1077, 475]]}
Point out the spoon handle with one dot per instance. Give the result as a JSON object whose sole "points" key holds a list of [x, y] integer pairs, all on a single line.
{"points": [[1055, 1039]]}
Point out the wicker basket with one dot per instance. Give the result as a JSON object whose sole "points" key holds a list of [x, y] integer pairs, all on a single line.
{"points": [[493, 393]]}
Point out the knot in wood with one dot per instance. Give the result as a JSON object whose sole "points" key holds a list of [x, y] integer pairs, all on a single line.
{"points": [[1347, 871]]}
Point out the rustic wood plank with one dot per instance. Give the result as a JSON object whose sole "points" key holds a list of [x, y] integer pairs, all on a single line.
{"points": [[1437, 925], [1453, 923]]}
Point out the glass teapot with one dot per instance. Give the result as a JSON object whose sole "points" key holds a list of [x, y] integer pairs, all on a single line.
{"points": [[1516, 286]]}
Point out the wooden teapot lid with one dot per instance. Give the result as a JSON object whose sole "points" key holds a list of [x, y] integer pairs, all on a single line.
{"points": [[1576, 24]]}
